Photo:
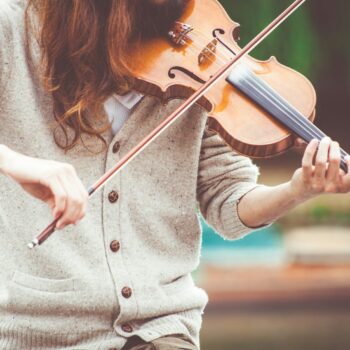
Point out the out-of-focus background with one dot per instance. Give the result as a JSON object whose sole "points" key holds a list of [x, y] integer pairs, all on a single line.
{"points": [[288, 286]]}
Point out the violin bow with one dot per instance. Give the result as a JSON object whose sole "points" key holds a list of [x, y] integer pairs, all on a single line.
{"points": [[47, 232]]}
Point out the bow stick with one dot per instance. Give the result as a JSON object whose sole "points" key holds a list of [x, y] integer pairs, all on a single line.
{"points": [[47, 232]]}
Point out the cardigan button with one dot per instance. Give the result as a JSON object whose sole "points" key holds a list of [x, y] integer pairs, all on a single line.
{"points": [[115, 245], [126, 327], [116, 147], [113, 196], [126, 292]]}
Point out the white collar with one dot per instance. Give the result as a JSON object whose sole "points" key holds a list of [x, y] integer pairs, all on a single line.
{"points": [[130, 99]]}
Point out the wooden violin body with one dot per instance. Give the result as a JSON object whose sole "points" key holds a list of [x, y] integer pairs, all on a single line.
{"points": [[257, 107], [202, 40]]}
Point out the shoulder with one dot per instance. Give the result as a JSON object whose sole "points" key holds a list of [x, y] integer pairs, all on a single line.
{"points": [[11, 34], [10, 12], [12, 5]]}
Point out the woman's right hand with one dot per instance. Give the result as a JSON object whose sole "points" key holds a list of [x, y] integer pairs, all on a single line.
{"points": [[55, 183]]}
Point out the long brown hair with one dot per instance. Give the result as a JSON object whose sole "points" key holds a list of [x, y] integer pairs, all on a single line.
{"points": [[83, 53]]}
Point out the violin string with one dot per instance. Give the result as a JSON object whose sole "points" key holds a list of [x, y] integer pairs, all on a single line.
{"points": [[229, 52], [310, 128], [291, 122], [298, 122], [224, 58], [195, 53], [318, 132], [209, 56], [207, 40], [313, 130], [303, 123], [192, 47], [294, 117]]}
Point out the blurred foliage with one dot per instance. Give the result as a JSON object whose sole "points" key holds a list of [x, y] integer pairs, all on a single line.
{"points": [[317, 215], [308, 41], [294, 43]]}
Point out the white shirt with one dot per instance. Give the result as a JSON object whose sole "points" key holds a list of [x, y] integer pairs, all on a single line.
{"points": [[119, 108]]}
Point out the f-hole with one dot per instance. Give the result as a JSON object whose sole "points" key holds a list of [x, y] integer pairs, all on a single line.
{"points": [[216, 33], [172, 74]]}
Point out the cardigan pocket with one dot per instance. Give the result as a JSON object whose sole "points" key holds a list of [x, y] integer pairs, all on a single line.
{"points": [[43, 284]]}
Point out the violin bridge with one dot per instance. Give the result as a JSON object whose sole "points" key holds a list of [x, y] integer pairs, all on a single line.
{"points": [[179, 33], [207, 55]]}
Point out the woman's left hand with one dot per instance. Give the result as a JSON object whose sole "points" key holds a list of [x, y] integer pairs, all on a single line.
{"points": [[320, 171]]}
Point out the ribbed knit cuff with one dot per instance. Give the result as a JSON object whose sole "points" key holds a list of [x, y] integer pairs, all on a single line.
{"points": [[13, 337], [187, 322], [234, 227]]}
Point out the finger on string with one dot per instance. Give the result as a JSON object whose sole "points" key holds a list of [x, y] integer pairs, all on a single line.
{"points": [[334, 161], [308, 158], [322, 158]]}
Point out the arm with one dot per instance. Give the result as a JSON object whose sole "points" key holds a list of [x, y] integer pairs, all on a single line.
{"points": [[55, 183], [265, 204], [223, 178]]}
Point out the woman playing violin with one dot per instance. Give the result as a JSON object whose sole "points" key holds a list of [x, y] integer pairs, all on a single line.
{"points": [[119, 276]]}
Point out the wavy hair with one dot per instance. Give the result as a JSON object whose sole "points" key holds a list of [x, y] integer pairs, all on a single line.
{"points": [[83, 47]]}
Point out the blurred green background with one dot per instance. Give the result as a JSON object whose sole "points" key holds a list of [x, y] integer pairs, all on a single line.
{"points": [[288, 286]]}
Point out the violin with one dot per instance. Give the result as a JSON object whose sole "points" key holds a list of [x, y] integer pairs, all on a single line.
{"points": [[257, 107], [261, 106]]}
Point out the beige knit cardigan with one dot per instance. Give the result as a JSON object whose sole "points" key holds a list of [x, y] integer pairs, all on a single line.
{"points": [[70, 292]]}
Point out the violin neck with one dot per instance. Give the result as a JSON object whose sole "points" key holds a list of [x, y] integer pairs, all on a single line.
{"points": [[243, 79]]}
